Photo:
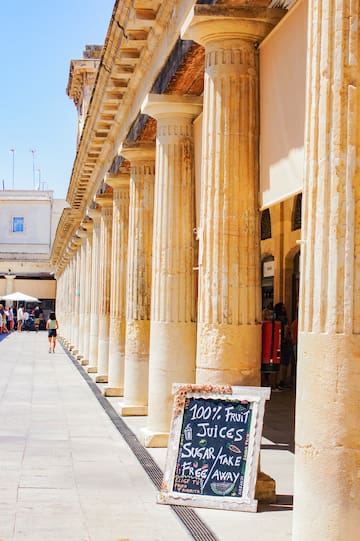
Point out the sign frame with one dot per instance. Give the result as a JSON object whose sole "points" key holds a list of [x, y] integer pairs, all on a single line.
{"points": [[257, 397]]}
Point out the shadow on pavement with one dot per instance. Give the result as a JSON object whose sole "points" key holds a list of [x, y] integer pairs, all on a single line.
{"points": [[279, 421], [284, 502]]}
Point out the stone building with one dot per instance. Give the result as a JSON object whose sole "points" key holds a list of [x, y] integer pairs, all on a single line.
{"points": [[210, 124], [29, 219]]}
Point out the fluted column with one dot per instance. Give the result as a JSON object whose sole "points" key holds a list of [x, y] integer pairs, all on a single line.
{"points": [[65, 294], [76, 304], [120, 186], [173, 304], [106, 203], [88, 283], [229, 326], [82, 291], [327, 436], [95, 215], [62, 298], [142, 160], [70, 298], [60, 306]]}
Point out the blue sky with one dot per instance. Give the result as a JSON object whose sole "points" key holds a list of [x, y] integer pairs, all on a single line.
{"points": [[39, 39]]}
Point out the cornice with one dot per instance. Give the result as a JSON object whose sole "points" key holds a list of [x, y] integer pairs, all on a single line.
{"points": [[141, 34], [68, 223]]}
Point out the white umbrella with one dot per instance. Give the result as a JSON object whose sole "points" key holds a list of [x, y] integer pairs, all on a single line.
{"points": [[18, 296]]}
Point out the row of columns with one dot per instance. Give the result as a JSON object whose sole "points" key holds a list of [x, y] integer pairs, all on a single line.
{"points": [[159, 292], [158, 343]]}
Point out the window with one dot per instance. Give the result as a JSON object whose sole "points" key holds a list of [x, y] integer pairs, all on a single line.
{"points": [[18, 224], [265, 225], [296, 217]]}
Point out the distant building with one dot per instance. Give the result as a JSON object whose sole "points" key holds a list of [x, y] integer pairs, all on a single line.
{"points": [[29, 220]]}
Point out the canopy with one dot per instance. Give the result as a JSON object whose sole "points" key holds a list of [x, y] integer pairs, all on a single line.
{"points": [[18, 296]]}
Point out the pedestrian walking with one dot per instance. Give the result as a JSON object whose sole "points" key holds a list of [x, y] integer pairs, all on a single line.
{"points": [[3, 327], [52, 326], [20, 318]]}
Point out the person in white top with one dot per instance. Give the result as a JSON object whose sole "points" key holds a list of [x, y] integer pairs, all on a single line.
{"points": [[20, 318]]}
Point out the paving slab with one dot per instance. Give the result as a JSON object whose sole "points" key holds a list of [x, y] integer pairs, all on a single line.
{"points": [[66, 473]]}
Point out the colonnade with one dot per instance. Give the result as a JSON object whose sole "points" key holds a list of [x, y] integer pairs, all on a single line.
{"points": [[160, 321], [152, 284]]}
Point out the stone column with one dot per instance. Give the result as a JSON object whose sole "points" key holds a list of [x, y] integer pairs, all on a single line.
{"points": [[72, 295], [62, 292], [95, 215], [81, 232], [142, 159], [65, 331], [173, 305], [229, 327], [76, 311], [9, 283], [106, 203], [88, 286], [120, 186], [327, 436], [60, 298]]}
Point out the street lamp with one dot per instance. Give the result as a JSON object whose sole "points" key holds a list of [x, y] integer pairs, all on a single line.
{"points": [[32, 150], [39, 181], [13, 167]]}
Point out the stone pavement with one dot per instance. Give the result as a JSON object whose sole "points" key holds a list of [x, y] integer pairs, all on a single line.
{"points": [[66, 473]]}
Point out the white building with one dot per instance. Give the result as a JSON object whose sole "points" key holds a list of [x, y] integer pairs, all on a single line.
{"points": [[29, 219]]}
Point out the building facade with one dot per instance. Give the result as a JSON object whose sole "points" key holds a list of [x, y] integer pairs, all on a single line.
{"points": [[189, 205], [29, 221]]}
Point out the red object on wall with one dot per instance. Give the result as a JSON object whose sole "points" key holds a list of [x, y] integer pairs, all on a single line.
{"points": [[271, 342]]}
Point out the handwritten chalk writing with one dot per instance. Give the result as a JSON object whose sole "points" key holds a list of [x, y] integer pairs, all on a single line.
{"points": [[230, 460], [187, 468], [225, 476], [213, 447], [202, 453], [199, 412], [221, 432], [234, 416]]}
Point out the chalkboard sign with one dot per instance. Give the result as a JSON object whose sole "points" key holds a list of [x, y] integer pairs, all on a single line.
{"points": [[214, 446]]}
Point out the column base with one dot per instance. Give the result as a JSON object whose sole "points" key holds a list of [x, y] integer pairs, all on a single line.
{"points": [[79, 357], [265, 490], [92, 369], [114, 391], [128, 411], [74, 351], [101, 379], [84, 362], [154, 439]]}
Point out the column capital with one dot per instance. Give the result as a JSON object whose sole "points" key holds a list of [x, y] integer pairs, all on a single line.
{"points": [[94, 214], [139, 152], [88, 227], [120, 180], [207, 24], [104, 200], [81, 232], [167, 105], [75, 243]]}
